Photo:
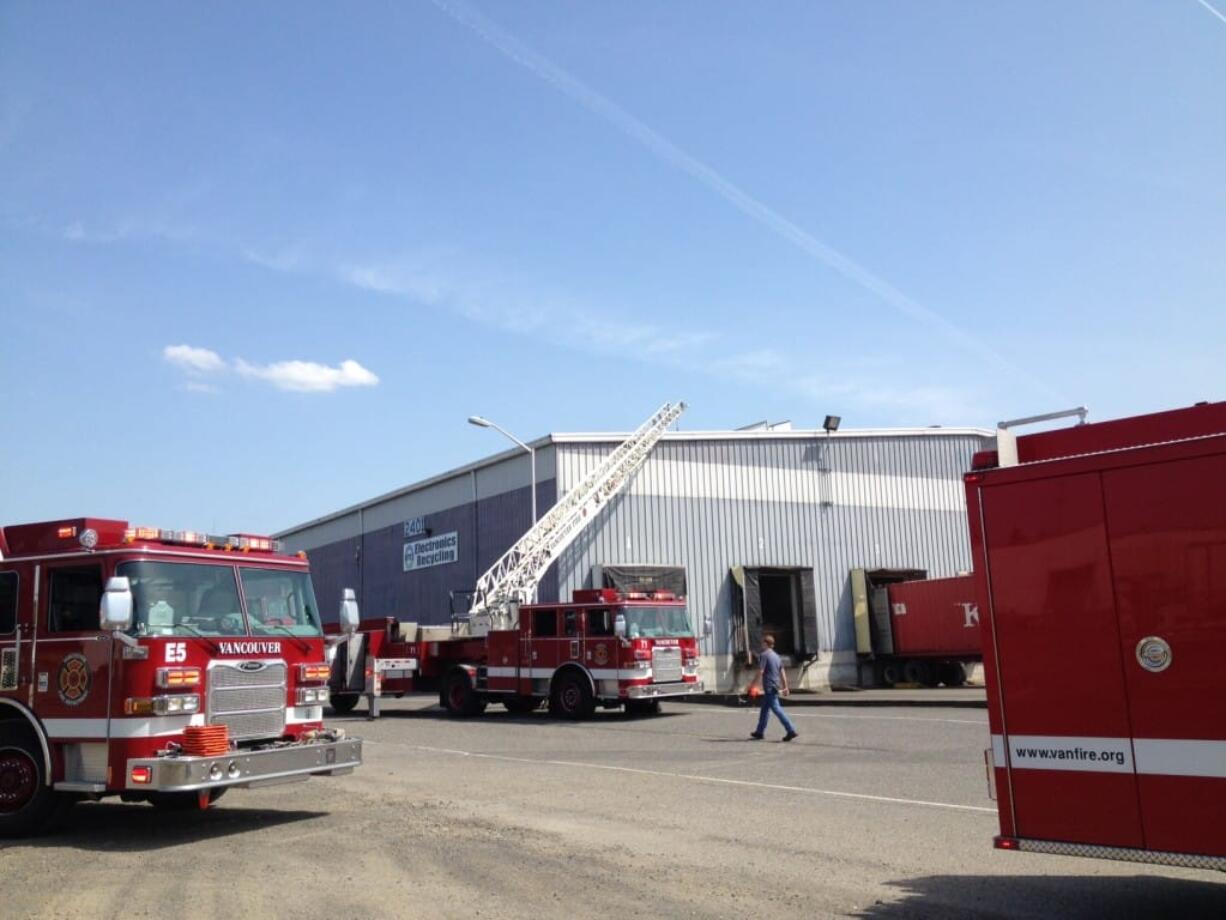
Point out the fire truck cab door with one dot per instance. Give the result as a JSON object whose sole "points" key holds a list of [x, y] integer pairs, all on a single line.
{"points": [[72, 667], [1067, 732], [1168, 549], [16, 631]]}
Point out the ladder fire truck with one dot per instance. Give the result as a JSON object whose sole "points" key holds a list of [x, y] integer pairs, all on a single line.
{"points": [[601, 649], [156, 665], [1100, 562]]}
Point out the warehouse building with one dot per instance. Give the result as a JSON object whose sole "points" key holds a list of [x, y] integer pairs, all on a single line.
{"points": [[759, 528]]}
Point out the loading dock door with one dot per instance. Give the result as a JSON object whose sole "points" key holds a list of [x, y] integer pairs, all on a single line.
{"points": [[778, 601]]}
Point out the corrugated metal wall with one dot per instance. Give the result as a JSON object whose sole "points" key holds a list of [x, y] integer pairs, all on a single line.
{"points": [[827, 504]]}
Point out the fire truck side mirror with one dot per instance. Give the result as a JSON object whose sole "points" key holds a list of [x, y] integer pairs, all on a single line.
{"points": [[349, 612], [619, 626], [115, 611]]}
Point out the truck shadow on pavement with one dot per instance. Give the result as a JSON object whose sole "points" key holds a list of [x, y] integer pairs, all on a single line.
{"points": [[542, 718], [138, 828], [1064, 896]]}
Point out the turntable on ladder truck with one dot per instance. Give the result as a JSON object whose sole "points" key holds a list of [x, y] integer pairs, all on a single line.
{"points": [[602, 648], [1100, 560]]}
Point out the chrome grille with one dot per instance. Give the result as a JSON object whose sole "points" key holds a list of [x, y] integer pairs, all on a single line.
{"points": [[251, 703], [665, 665]]}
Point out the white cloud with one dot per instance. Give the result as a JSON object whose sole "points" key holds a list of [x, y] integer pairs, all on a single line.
{"points": [[307, 376], [194, 360]]}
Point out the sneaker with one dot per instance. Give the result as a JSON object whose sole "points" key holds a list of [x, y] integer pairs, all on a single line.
{"points": [[755, 736], [790, 735]]}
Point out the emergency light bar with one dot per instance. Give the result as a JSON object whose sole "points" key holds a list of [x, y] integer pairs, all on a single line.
{"points": [[230, 542]]}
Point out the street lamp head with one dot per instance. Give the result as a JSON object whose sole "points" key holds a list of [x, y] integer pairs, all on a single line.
{"points": [[478, 421]]}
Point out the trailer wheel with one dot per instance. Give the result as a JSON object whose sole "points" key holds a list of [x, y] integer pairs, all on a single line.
{"points": [[522, 704], [343, 703], [643, 707], [891, 673], [459, 697], [572, 697], [953, 674], [918, 671], [27, 804]]}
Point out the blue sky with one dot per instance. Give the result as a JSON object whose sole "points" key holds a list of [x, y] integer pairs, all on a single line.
{"points": [[259, 261]]}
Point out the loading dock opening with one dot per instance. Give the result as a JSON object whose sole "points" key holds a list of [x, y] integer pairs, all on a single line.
{"points": [[774, 600]]}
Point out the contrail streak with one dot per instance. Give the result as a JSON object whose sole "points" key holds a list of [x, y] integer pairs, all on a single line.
{"points": [[1211, 9], [666, 150]]}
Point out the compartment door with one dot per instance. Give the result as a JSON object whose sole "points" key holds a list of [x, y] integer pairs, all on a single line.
{"points": [[1168, 547], [1068, 736]]}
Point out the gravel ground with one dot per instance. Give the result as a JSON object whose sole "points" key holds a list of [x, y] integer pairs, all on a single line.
{"points": [[877, 813]]}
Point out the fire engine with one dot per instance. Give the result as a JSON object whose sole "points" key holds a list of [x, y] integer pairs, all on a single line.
{"points": [[601, 649], [1100, 561], [156, 665]]}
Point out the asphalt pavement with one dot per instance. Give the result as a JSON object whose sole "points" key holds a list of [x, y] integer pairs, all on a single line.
{"points": [[878, 813]]}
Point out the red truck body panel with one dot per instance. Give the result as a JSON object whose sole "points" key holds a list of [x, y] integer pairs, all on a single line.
{"points": [[1086, 564], [935, 617]]}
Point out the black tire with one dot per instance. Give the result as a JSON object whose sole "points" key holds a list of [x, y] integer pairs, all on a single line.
{"points": [[185, 801], [572, 696], [643, 707], [27, 804], [343, 703], [891, 673], [458, 696], [522, 704], [918, 671], [953, 674]]}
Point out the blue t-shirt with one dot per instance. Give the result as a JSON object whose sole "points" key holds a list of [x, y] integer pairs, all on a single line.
{"points": [[771, 668]]}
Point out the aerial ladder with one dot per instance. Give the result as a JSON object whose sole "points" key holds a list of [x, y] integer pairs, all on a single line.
{"points": [[513, 579]]}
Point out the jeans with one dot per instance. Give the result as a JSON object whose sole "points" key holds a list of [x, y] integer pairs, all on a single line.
{"points": [[770, 703]]}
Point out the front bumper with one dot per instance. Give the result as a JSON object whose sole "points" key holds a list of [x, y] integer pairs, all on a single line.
{"points": [[659, 691], [267, 766]]}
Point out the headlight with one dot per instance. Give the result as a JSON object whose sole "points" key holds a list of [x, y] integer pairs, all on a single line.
{"points": [[171, 704], [312, 696]]}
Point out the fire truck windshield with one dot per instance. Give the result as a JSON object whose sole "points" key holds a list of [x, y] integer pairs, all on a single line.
{"points": [[187, 599], [656, 622]]}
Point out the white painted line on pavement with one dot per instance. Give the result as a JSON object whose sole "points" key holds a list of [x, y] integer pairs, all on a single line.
{"points": [[793, 714], [889, 800]]}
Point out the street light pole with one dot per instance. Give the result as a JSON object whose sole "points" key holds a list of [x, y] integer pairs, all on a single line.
{"points": [[486, 423]]}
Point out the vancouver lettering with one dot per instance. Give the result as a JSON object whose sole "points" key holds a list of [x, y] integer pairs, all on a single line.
{"points": [[250, 648]]}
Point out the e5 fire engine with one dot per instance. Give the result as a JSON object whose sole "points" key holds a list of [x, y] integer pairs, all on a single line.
{"points": [[156, 665], [603, 648], [1100, 561]]}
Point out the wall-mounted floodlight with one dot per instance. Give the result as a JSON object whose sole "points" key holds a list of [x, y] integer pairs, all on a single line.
{"points": [[831, 423]]}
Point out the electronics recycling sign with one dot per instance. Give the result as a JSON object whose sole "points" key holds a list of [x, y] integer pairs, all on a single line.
{"points": [[436, 550]]}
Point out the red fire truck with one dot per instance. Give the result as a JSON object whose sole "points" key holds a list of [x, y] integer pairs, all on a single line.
{"points": [[1100, 559], [162, 666], [602, 648]]}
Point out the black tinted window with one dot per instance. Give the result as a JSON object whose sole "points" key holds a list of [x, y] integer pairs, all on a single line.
{"points": [[74, 599], [600, 622], [544, 623], [572, 622], [8, 602]]}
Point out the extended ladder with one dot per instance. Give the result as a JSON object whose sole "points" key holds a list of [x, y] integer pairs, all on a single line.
{"points": [[512, 580]]}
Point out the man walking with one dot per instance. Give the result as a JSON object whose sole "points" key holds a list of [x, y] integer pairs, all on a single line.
{"points": [[774, 681]]}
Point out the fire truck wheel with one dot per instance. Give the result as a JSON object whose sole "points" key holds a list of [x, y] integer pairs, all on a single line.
{"points": [[343, 703], [27, 804], [572, 696], [185, 801], [918, 671], [953, 674], [890, 673], [643, 707], [459, 697], [522, 704]]}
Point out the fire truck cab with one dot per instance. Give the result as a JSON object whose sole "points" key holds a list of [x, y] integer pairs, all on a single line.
{"points": [[156, 665], [1100, 560]]}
